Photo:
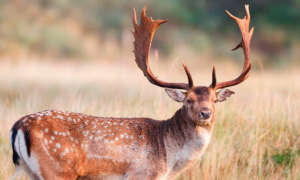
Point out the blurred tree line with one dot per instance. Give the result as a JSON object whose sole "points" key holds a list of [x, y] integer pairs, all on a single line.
{"points": [[66, 28]]}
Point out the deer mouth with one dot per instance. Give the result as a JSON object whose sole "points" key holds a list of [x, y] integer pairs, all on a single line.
{"points": [[203, 122]]}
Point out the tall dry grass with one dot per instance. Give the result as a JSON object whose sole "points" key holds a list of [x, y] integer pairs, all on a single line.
{"points": [[256, 135]]}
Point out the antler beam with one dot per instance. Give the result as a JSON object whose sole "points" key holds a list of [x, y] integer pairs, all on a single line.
{"points": [[243, 25], [143, 35]]}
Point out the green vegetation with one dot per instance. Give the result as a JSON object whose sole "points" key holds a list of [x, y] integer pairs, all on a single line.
{"points": [[286, 157]]}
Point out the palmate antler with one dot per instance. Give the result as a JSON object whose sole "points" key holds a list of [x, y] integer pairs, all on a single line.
{"points": [[245, 44], [143, 35]]}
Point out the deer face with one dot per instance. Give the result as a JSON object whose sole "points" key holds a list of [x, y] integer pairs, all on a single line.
{"points": [[199, 102]]}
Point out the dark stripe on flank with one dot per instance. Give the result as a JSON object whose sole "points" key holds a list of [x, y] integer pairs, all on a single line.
{"points": [[27, 141], [15, 156]]}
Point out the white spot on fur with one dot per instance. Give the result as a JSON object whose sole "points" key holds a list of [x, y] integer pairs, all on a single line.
{"points": [[85, 133], [49, 113], [60, 117]]}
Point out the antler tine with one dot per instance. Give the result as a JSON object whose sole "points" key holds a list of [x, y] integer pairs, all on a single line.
{"points": [[243, 25], [189, 76], [143, 35], [214, 78]]}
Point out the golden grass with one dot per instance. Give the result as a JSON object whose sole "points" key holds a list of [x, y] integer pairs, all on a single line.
{"points": [[260, 123]]}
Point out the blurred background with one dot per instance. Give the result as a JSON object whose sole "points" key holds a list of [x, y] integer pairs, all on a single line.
{"points": [[76, 55], [100, 30]]}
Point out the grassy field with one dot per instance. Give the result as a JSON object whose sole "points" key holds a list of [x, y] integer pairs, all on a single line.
{"points": [[256, 135]]}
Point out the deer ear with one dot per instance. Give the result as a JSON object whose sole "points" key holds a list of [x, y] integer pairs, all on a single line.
{"points": [[176, 94], [223, 94]]}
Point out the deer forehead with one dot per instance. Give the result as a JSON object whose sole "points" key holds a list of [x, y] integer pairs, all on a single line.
{"points": [[201, 93]]}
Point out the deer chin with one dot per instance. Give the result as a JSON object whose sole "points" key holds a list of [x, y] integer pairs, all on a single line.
{"points": [[199, 121], [203, 122]]}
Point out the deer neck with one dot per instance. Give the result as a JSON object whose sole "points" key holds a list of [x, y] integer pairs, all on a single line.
{"points": [[185, 141], [181, 129]]}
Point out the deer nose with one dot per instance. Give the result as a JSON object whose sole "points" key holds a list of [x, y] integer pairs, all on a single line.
{"points": [[205, 113]]}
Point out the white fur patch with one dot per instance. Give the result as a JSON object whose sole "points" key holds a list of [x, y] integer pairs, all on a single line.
{"points": [[31, 162], [179, 157]]}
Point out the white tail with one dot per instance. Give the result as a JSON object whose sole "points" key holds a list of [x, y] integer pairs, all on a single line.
{"points": [[55, 145]]}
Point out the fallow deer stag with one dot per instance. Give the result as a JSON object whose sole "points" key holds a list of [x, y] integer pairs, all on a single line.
{"points": [[59, 145]]}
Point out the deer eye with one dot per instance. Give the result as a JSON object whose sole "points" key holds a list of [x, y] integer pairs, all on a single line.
{"points": [[189, 101]]}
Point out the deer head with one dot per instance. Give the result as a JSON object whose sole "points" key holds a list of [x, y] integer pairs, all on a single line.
{"points": [[198, 101]]}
